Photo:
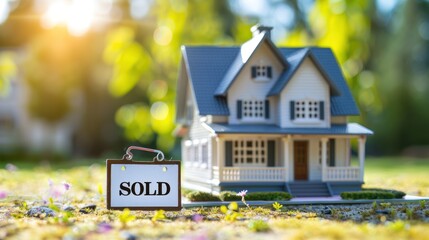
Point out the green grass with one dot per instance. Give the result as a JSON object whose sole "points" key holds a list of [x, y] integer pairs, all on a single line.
{"points": [[30, 185], [406, 174]]}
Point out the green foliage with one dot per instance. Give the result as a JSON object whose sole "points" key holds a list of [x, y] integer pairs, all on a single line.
{"points": [[258, 225], [366, 195], [409, 212], [7, 71], [229, 196], [52, 205], [198, 196], [277, 206], [373, 193], [385, 205], [396, 193], [125, 217], [268, 196], [422, 204]]}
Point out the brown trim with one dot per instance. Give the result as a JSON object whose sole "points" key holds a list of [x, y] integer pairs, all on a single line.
{"points": [[109, 163]]}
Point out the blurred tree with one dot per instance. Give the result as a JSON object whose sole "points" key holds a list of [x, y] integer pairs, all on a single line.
{"points": [[147, 57], [7, 71]]}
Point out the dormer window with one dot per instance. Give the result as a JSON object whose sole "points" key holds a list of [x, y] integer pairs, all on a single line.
{"points": [[307, 110], [251, 110], [261, 73]]}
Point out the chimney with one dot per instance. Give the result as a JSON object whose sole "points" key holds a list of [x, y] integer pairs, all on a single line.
{"points": [[258, 29]]}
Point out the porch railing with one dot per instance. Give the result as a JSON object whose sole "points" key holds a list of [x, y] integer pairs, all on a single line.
{"points": [[238, 174], [342, 174]]}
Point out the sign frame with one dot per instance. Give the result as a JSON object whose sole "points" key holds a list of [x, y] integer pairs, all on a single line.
{"points": [[124, 161]]}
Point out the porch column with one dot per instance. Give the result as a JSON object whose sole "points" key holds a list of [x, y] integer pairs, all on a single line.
{"points": [[220, 156], [286, 143], [324, 154], [362, 141]]}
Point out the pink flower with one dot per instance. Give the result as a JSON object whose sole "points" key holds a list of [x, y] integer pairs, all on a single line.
{"points": [[3, 194], [197, 218], [242, 193], [66, 185], [104, 227]]}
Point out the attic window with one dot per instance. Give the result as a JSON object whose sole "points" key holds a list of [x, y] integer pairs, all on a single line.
{"points": [[253, 109], [307, 110], [261, 73]]}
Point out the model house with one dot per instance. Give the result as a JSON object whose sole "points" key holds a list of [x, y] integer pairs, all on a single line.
{"points": [[266, 118]]}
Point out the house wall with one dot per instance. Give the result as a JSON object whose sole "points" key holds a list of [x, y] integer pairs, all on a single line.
{"points": [[314, 165], [338, 119], [245, 88], [342, 149], [307, 83]]}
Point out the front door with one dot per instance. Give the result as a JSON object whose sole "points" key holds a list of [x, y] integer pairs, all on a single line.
{"points": [[300, 153]]}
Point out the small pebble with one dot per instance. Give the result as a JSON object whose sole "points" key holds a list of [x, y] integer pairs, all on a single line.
{"points": [[327, 211], [128, 236], [88, 208], [382, 211], [68, 208], [40, 212]]}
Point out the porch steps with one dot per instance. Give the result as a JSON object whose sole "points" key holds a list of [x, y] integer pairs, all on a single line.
{"points": [[309, 189]]}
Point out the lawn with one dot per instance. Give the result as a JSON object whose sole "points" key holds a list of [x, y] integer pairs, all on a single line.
{"points": [[42, 184]]}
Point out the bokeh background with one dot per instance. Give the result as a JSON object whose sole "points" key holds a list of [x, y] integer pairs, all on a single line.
{"points": [[87, 78]]}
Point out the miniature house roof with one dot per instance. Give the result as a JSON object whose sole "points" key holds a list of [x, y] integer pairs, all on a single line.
{"points": [[337, 129], [211, 70]]}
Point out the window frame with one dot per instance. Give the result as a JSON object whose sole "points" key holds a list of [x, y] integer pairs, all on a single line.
{"points": [[261, 73], [250, 153], [310, 109]]}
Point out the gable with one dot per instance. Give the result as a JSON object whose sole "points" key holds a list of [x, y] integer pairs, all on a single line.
{"points": [[247, 50], [208, 66]]}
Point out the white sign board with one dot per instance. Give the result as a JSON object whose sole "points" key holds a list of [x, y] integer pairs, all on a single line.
{"points": [[143, 185]]}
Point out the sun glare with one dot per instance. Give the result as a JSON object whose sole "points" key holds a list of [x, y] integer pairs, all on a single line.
{"points": [[77, 15]]}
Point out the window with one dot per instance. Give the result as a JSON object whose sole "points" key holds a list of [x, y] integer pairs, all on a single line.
{"points": [[204, 154], [246, 152], [261, 72], [253, 109], [307, 110], [196, 153]]}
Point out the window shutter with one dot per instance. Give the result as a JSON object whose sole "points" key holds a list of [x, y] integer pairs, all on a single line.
{"points": [[228, 153], [269, 71], [271, 153], [332, 152], [322, 110], [267, 109], [253, 72], [238, 109], [292, 110]]}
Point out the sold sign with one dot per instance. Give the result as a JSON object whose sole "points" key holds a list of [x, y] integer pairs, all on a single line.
{"points": [[143, 185]]}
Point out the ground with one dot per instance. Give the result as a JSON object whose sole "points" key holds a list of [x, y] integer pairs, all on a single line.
{"points": [[80, 184]]}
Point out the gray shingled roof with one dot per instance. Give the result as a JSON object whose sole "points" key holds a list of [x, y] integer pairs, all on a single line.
{"points": [[208, 67], [335, 129]]}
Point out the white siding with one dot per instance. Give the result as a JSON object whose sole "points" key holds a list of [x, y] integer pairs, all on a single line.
{"points": [[314, 167], [307, 83], [197, 131], [244, 88], [341, 152]]}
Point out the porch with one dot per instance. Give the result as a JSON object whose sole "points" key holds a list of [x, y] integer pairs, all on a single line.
{"points": [[280, 174]]}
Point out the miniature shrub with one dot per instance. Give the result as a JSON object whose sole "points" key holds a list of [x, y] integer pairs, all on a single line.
{"points": [[396, 193], [268, 196], [229, 196], [197, 196], [367, 195]]}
